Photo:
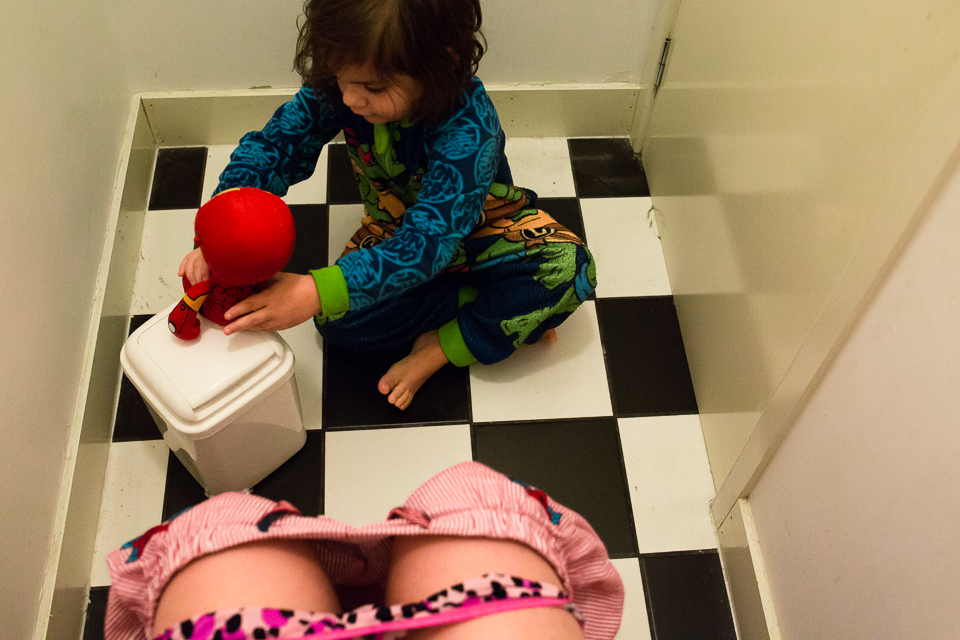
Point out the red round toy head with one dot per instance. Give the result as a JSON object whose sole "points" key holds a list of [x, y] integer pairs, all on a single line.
{"points": [[246, 235]]}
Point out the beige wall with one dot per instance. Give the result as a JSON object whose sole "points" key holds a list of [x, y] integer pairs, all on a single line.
{"points": [[179, 45], [567, 41], [774, 159], [857, 513], [62, 112], [794, 149], [183, 45]]}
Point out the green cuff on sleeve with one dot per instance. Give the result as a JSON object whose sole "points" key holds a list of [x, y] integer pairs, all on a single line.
{"points": [[466, 294], [451, 341], [332, 288]]}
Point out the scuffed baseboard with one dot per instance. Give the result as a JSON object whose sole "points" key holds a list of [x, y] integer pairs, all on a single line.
{"points": [[743, 570], [63, 598], [535, 111]]}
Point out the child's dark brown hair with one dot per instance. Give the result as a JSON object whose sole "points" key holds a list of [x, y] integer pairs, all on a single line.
{"points": [[436, 42]]}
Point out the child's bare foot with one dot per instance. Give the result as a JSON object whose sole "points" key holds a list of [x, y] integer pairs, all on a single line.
{"points": [[405, 377], [550, 336]]}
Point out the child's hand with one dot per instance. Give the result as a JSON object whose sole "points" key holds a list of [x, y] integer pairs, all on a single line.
{"points": [[194, 267], [289, 300]]}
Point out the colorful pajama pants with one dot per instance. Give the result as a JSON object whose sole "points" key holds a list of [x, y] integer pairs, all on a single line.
{"points": [[518, 274]]}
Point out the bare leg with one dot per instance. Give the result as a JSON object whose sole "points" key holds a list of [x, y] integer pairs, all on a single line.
{"points": [[549, 336], [423, 565], [406, 377], [274, 573]]}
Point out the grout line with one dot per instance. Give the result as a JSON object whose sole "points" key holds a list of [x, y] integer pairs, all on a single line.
{"points": [[648, 601], [403, 425], [543, 420], [606, 364], [626, 483], [680, 552]]}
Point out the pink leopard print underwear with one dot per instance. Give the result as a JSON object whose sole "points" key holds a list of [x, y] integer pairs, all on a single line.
{"points": [[486, 595], [467, 500]]}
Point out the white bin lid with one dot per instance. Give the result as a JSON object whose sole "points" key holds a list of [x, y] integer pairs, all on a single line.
{"points": [[190, 377]]}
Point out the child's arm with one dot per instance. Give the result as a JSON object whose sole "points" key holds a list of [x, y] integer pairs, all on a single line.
{"points": [[283, 153], [289, 300], [286, 150], [462, 160]]}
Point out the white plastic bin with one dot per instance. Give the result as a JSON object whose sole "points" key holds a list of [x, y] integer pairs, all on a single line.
{"points": [[227, 406]]}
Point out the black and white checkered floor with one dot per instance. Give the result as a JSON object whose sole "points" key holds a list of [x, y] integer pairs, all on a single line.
{"points": [[605, 420]]}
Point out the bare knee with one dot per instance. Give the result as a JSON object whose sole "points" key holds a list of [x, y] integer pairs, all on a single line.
{"points": [[424, 565], [273, 573]]}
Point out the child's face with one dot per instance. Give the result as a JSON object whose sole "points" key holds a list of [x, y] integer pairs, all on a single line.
{"points": [[378, 99]]}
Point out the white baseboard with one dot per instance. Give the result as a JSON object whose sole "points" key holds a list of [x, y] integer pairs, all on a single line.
{"points": [[746, 578], [63, 596], [763, 583], [536, 111]]}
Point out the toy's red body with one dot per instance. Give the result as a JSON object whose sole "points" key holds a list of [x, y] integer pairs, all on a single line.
{"points": [[246, 236], [212, 299]]}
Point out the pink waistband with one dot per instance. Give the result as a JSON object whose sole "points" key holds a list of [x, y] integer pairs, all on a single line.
{"points": [[477, 597]]}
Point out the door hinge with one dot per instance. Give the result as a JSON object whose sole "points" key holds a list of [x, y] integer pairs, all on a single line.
{"points": [[663, 63]]}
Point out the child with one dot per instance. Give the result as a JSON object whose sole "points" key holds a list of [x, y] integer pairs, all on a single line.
{"points": [[449, 257]]}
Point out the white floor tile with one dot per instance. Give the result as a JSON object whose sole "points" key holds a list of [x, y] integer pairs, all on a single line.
{"points": [[313, 190], [217, 158], [670, 485], [132, 498], [344, 222], [310, 191], [368, 472], [542, 164], [562, 380], [626, 247], [167, 238], [635, 625], [307, 347]]}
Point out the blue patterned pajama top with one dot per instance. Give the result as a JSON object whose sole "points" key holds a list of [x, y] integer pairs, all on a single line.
{"points": [[437, 200]]}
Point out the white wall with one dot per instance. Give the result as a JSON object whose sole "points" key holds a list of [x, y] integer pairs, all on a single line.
{"points": [[857, 514], [180, 45], [567, 41], [184, 45], [776, 161], [62, 111]]}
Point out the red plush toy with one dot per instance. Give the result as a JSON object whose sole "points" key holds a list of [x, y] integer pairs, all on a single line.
{"points": [[246, 236]]}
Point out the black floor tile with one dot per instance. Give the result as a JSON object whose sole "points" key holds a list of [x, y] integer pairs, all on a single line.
{"points": [[646, 363], [133, 421], [341, 180], [606, 168], [178, 178], [576, 462], [138, 321], [299, 480], [351, 398], [181, 491], [312, 228], [566, 211], [686, 596], [96, 612]]}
